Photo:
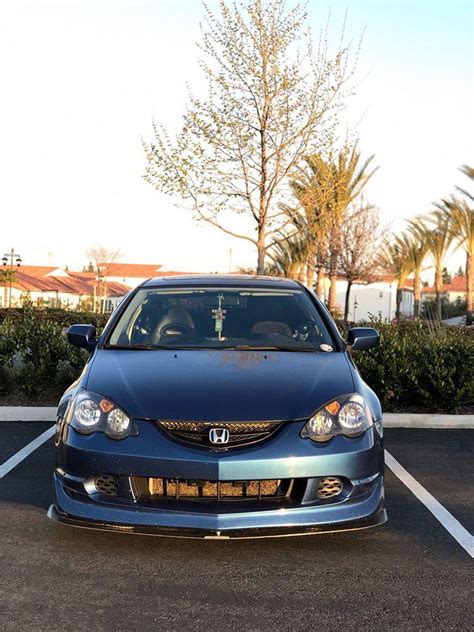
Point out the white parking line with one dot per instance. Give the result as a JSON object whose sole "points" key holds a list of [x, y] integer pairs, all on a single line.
{"points": [[17, 458], [449, 522]]}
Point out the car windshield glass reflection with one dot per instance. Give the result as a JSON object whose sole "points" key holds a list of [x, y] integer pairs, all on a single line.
{"points": [[219, 318]]}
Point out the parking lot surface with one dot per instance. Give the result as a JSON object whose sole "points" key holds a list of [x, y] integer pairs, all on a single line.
{"points": [[409, 574]]}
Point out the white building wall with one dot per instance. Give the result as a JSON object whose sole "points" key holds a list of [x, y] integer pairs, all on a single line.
{"points": [[5, 297], [454, 296], [50, 298], [376, 300], [46, 298], [407, 307], [132, 282], [111, 303]]}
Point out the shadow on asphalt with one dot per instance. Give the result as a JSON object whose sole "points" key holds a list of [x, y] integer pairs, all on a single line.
{"points": [[408, 574], [410, 526]]}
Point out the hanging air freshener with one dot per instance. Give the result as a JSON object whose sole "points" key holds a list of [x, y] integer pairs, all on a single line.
{"points": [[219, 316]]}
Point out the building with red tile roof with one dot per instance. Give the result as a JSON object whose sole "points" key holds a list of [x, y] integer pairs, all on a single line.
{"points": [[39, 271], [122, 272], [132, 274], [453, 291], [55, 287]]}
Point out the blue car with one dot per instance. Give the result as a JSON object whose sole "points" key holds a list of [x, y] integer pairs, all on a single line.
{"points": [[220, 407]]}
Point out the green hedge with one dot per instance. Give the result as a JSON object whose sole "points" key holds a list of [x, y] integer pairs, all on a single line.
{"points": [[420, 365], [60, 316], [35, 357]]}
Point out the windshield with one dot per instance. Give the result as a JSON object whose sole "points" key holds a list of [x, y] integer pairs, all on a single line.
{"points": [[218, 318]]}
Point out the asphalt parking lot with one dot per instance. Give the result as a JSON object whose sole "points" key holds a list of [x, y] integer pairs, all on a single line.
{"points": [[409, 574]]}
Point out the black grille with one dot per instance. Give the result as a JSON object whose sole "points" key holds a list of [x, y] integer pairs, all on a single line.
{"points": [[240, 433]]}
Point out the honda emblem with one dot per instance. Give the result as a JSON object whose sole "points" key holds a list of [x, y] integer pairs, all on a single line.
{"points": [[219, 435]]}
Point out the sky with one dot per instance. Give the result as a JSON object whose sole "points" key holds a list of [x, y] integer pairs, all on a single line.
{"points": [[82, 81]]}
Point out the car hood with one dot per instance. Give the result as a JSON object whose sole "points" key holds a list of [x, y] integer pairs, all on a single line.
{"points": [[219, 385]]}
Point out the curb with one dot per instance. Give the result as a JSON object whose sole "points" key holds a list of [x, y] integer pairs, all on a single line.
{"points": [[391, 420], [428, 421], [28, 413]]}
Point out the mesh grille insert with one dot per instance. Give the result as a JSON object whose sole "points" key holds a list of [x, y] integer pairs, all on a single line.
{"points": [[329, 487], [240, 433], [219, 490], [106, 484]]}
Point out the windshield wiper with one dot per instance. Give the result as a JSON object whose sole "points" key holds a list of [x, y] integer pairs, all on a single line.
{"points": [[134, 347], [162, 347], [197, 347], [273, 348]]}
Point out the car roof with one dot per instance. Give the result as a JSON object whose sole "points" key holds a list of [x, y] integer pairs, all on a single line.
{"points": [[223, 279]]}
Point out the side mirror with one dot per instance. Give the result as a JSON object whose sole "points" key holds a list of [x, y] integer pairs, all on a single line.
{"points": [[82, 336], [362, 338]]}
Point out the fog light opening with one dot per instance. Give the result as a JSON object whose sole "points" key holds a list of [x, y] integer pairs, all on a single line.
{"points": [[329, 487], [106, 484]]}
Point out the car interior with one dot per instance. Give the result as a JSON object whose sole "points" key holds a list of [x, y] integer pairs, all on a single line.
{"points": [[219, 316]]}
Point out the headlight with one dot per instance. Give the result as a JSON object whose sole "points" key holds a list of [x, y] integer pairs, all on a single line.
{"points": [[91, 412], [349, 416], [321, 426], [118, 422], [87, 413], [353, 418]]}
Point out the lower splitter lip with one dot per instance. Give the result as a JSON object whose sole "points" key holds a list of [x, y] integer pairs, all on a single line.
{"points": [[235, 534]]}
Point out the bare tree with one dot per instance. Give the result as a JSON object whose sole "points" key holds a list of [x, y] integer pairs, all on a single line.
{"points": [[360, 238], [271, 99], [101, 259]]}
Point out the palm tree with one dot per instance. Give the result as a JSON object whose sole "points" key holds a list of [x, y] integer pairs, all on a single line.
{"points": [[288, 257], [310, 186], [7, 277], [324, 189], [349, 178], [469, 172], [460, 213], [438, 238], [394, 261], [414, 249]]}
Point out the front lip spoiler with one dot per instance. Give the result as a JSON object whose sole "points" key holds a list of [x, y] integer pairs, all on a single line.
{"points": [[234, 534]]}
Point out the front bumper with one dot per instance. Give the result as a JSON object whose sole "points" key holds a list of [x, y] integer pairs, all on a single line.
{"points": [[212, 534], [357, 461]]}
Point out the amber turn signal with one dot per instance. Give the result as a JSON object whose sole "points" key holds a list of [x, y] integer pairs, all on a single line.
{"points": [[105, 405], [333, 408]]}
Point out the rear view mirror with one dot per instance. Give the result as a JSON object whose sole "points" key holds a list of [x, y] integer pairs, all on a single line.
{"points": [[82, 336], [362, 338], [230, 300]]}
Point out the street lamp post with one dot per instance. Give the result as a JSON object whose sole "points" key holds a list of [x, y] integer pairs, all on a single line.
{"points": [[12, 258], [97, 291], [390, 303]]}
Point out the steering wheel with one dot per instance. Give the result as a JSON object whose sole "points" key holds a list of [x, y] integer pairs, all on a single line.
{"points": [[174, 329]]}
